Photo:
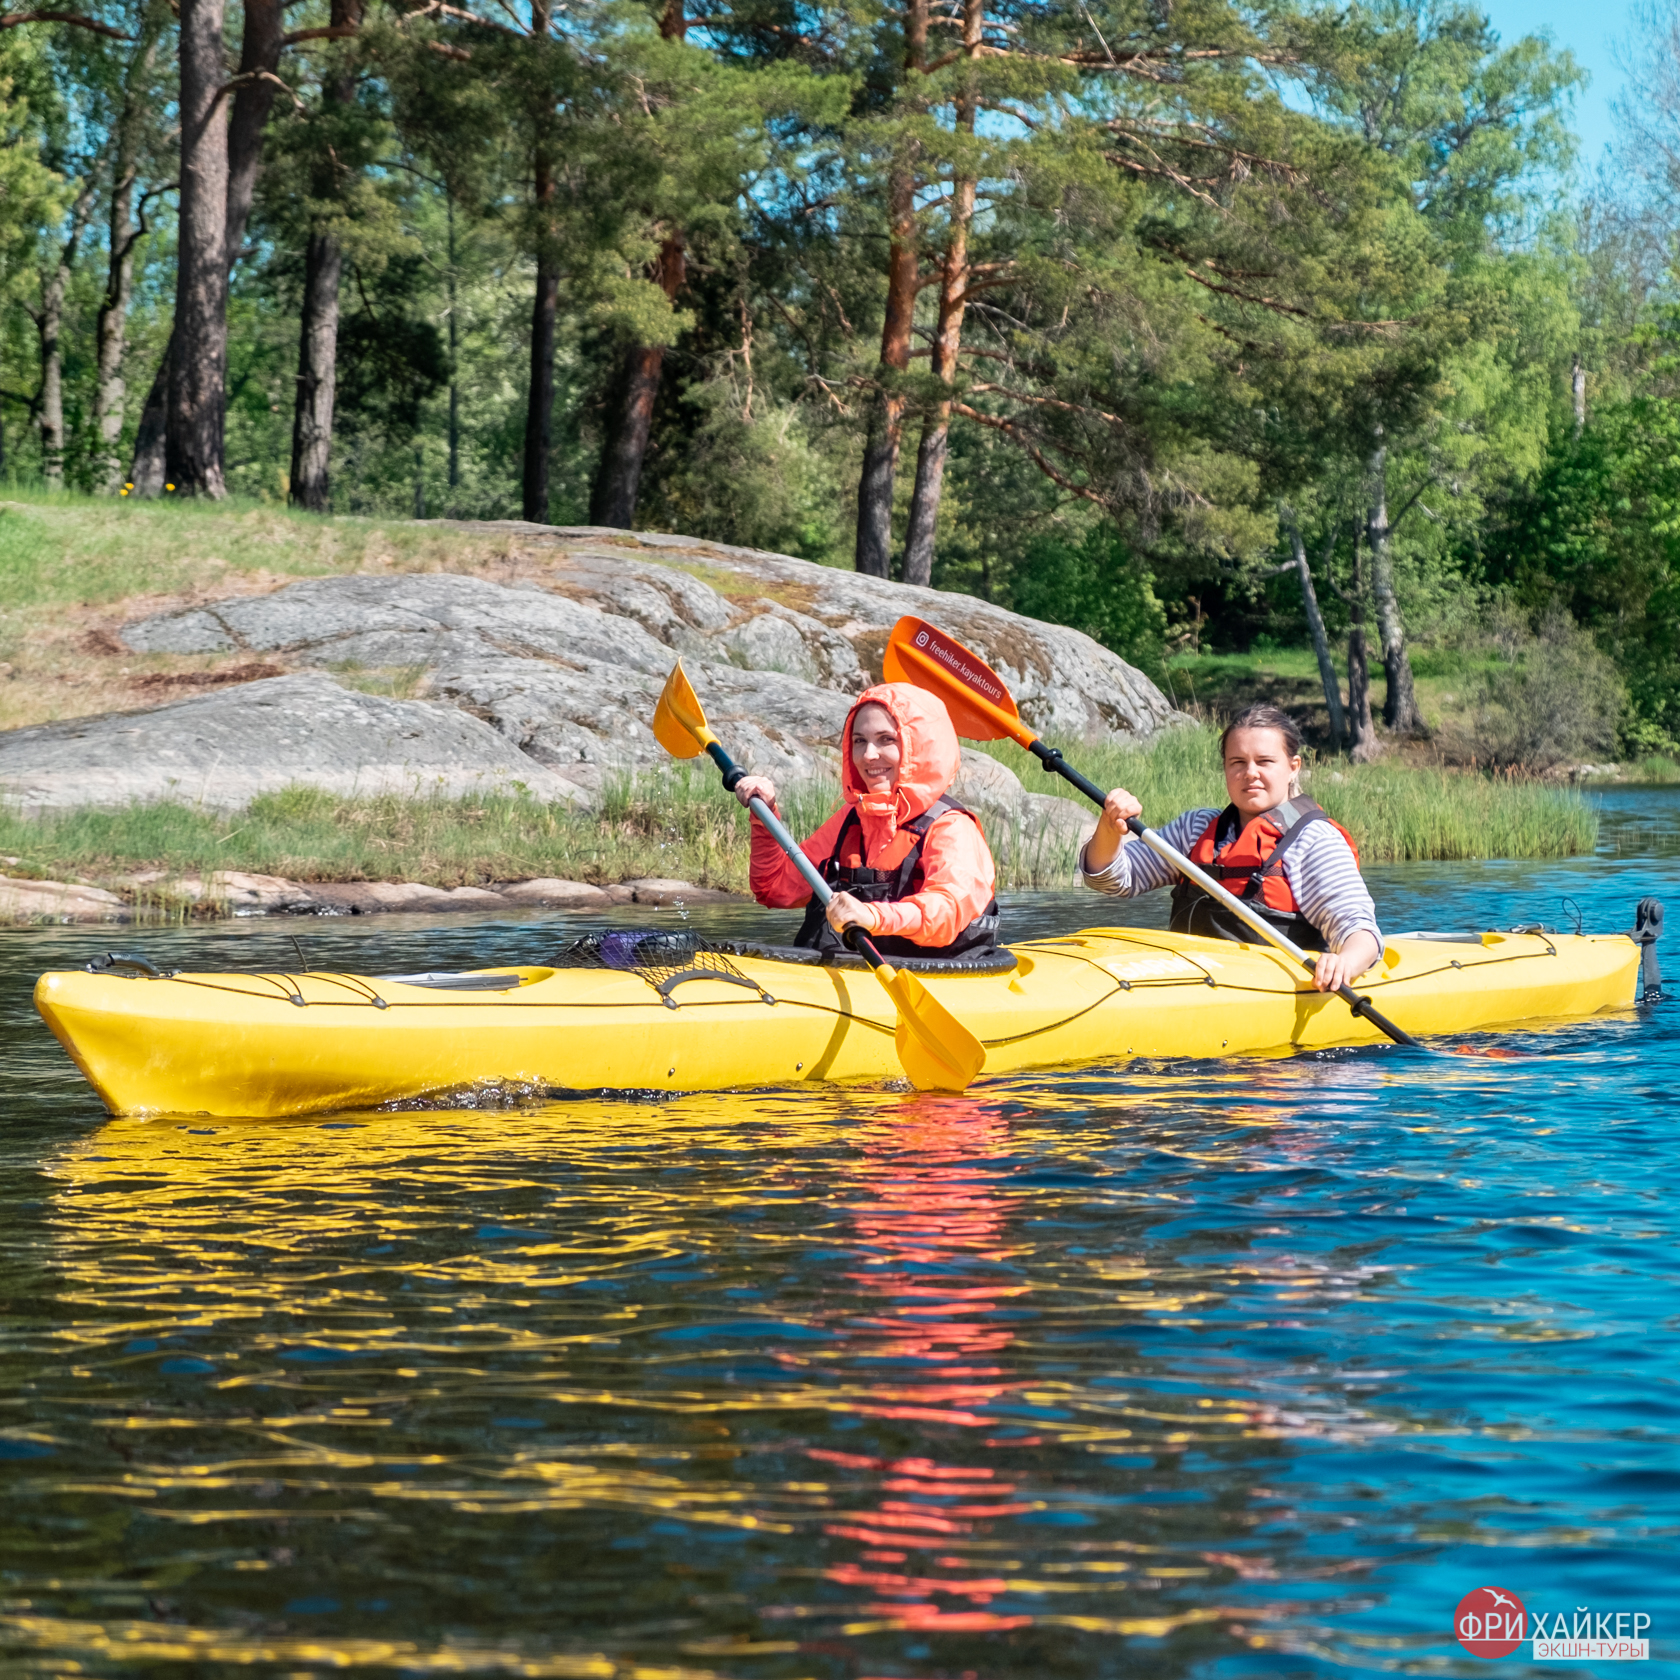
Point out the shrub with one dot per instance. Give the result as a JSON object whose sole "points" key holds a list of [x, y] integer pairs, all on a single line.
{"points": [[1554, 699]]}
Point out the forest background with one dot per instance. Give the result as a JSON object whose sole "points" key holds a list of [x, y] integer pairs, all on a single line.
{"points": [[1193, 324]]}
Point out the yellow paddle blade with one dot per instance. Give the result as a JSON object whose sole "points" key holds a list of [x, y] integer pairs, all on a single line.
{"points": [[938, 1052], [980, 704], [679, 723]]}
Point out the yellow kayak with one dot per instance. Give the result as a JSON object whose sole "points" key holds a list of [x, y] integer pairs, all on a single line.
{"points": [[662, 1012]]}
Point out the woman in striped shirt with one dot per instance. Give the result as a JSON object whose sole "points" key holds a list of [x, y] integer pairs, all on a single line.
{"points": [[1270, 847]]}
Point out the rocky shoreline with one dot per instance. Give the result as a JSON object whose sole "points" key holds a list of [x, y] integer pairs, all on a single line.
{"points": [[155, 897]]}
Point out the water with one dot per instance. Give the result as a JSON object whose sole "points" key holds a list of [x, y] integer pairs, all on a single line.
{"points": [[1223, 1369]]}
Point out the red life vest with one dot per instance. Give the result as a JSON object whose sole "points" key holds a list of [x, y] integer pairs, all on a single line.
{"points": [[1249, 864]]}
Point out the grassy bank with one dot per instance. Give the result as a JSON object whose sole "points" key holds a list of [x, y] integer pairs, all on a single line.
{"points": [[679, 824], [73, 569]]}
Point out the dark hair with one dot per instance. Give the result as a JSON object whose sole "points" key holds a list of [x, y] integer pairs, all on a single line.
{"points": [[1265, 717]]}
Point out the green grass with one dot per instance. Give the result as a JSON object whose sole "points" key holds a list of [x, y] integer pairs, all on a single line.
{"points": [[87, 549], [678, 824], [1396, 813]]}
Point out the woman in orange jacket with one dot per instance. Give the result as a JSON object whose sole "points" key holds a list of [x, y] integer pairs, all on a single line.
{"points": [[908, 864]]}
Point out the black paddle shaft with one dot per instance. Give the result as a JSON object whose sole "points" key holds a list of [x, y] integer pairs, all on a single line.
{"points": [[733, 774], [1056, 765]]}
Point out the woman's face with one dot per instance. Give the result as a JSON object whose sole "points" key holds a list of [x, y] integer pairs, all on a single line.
{"points": [[1258, 769], [875, 748]]}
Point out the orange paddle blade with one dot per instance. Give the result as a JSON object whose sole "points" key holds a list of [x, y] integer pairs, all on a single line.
{"points": [[980, 704], [679, 722]]}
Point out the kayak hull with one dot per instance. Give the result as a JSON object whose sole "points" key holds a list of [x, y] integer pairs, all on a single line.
{"points": [[276, 1044]]}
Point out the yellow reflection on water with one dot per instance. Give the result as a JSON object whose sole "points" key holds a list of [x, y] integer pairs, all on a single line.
{"points": [[676, 1291]]}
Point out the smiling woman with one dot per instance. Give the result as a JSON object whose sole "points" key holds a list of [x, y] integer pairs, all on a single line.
{"points": [[907, 863]]}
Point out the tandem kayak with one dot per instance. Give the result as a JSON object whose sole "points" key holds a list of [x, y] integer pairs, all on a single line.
{"points": [[655, 1013]]}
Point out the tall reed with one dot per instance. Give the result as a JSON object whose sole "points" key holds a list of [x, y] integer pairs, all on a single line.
{"points": [[1396, 813]]}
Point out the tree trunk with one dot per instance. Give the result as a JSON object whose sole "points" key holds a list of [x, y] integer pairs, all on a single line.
{"points": [[618, 476], [1400, 707], [886, 417], [49, 323], [947, 342], [323, 264], [111, 331], [259, 60], [1363, 745], [253, 95], [145, 471], [539, 406], [193, 440], [1315, 624], [539, 411], [50, 404], [317, 376], [1578, 389], [620, 472], [454, 365]]}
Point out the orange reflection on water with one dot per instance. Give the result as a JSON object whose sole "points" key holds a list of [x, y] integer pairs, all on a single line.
{"points": [[930, 1207]]}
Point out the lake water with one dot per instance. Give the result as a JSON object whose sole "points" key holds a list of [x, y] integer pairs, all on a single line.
{"points": [[1211, 1369]]}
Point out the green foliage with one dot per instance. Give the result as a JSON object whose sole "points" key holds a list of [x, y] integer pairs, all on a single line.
{"points": [[1598, 532], [1097, 586]]}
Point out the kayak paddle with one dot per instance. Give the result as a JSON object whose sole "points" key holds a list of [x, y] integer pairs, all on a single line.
{"points": [[983, 709], [938, 1052]]}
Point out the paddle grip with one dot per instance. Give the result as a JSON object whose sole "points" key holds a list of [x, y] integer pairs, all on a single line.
{"points": [[1056, 765], [732, 772], [1363, 1006]]}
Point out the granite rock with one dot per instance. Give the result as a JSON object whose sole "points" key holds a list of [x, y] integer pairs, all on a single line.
{"points": [[548, 680], [547, 893], [223, 748]]}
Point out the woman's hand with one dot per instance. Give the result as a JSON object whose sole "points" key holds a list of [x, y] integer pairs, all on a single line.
{"points": [[1101, 848], [750, 788], [1343, 967], [844, 911]]}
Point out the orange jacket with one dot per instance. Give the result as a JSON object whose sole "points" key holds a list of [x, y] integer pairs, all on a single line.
{"points": [[958, 877]]}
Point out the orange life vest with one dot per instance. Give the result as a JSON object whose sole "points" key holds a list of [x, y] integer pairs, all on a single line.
{"points": [[897, 873], [1249, 864]]}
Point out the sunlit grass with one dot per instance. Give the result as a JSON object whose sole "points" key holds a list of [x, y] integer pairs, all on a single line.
{"points": [[87, 549]]}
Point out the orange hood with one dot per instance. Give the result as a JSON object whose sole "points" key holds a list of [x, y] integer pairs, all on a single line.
{"points": [[930, 757]]}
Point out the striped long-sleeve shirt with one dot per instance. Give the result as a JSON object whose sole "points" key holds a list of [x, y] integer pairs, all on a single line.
{"points": [[1320, 868]]}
